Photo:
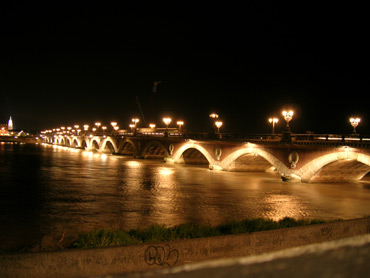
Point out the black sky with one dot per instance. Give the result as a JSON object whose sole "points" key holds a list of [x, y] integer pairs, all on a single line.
{"points": [[65, 63]]}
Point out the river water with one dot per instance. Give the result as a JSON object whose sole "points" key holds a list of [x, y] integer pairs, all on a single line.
{"points": [[53, 190]]}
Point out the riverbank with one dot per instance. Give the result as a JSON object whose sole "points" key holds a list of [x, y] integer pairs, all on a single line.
{"points": [[159, 233], [122, 259]]}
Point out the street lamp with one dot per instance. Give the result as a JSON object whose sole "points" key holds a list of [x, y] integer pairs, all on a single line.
{"points": [[354, 122], [273, 121], [98, 124], [135, 121], [180, 124], [132, 126], [86, 127], [213, 116], [152, 125], [286, 136], [114, 124], [218, 125], [167, 121], [288, 115]]}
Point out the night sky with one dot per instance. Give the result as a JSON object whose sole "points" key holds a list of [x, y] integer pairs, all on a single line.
{"points": [[64, 63]]}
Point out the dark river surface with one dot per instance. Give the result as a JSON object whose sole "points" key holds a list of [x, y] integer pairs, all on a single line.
{"points": [[53, 190]]}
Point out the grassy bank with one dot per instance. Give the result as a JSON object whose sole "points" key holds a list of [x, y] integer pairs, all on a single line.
{"points": [[160, 233]]}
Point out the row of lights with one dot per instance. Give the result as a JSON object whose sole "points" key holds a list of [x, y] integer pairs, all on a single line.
{"points": [[98, 125], [77, 129], [288, 116], [166, 121]]}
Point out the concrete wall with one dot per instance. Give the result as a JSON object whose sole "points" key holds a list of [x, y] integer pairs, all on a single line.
{"points": [[88, 262]]}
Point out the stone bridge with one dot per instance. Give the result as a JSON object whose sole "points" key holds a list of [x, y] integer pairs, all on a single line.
{"points": [[325, 159]]}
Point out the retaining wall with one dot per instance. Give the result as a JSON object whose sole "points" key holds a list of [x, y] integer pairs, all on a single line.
{"points": [[112, 260]]}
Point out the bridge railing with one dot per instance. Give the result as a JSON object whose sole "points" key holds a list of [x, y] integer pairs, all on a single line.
{"points": [[302, 139], [331, 139]]}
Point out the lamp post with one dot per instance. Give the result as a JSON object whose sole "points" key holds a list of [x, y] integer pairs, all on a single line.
{"points": [[273, 121], [113, 124], [98, 124], [213, 116], [288, 115], [354, 122], [167, 121], [135, 122], [287, 134], [218, 125], [132, 126], [180, 124]]}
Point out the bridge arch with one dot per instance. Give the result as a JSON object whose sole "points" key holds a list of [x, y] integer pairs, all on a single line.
{"points": [[108, 143], [177, 157], [75, 143], [154, 149], [62, 141], [228, 161], [127, 147], [94, 143], [83, 144], [342, 166]]}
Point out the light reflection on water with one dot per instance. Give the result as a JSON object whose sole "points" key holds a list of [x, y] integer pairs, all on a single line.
{"points": [[47, 190]]}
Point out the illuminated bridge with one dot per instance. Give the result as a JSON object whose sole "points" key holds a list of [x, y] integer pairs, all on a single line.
{"points": [[306, 157]]}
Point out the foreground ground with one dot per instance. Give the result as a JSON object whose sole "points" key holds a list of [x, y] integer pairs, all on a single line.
{"points": [[347, 257]]}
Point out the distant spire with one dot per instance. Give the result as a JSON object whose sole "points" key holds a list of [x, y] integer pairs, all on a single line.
{"points": [[10, 123]]}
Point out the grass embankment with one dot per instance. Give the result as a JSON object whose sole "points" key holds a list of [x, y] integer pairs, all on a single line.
{"points": [[160, 233]]}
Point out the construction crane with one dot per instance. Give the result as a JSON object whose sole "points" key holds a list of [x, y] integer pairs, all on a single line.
{"points": [[151, 105], [155, 85], [152, 100]]}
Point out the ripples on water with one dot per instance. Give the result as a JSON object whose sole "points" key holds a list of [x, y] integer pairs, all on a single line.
{"points": [[52, 190]]}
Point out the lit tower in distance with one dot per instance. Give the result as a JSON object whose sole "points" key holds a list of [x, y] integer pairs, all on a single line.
{"points": [[10, 124]]}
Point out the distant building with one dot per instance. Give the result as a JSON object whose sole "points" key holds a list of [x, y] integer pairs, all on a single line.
{"points": [[3, 129], [10, 124]]}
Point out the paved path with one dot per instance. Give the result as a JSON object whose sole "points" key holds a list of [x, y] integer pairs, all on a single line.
{"points": [[348, 257]]}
